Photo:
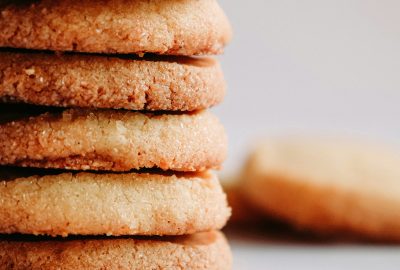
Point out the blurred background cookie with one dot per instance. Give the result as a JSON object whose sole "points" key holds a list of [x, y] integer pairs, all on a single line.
{"points": [[327, 185]]}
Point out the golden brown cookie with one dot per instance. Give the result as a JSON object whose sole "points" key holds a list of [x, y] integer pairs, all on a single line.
{"points": [[114, 140], [329, 186], [110, 204], [178, 27], [149, 83], [243, 213], [207, 251]]}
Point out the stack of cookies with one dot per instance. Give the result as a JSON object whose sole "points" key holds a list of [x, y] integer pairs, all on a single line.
{"points": [[105, 143]]}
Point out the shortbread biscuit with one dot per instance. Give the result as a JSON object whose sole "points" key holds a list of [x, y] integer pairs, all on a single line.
{"points": [[243, 213], [178, 27], [110, 204], [329, 186], [114, 140], [128, 82], [208, 250]]}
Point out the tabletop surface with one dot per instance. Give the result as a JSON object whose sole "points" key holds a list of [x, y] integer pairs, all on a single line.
{"points": [[263, 251]]}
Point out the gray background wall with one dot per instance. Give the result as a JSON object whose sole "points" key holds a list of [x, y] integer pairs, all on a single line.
{"points": [[311, 66]]}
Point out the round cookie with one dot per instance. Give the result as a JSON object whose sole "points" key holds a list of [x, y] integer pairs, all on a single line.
{"points": [[175, 27], [329, 186], [110, 204], [149, 83], [114, 140], [208, 250]]}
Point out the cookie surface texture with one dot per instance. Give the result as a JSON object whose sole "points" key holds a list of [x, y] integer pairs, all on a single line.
{"points": [[199, 251], [90, 81], [111, 204], [175, 27], [114, 140]]}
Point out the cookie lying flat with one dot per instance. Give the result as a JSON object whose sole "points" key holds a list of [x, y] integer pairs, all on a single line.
{"points": [[114, 140], [150, 83], [111, 204], [179, 27], [199, 251], [328, 186], [243, 213]]}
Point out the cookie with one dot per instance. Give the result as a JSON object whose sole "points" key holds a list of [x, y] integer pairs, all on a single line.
{"points": [[243, 213], [208, 250], [63, 203], [114, 140], [175, 27], [328, 186], [149, 83]]}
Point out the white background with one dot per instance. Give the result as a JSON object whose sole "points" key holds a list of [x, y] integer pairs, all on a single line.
{"points": [[311, 66]]}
